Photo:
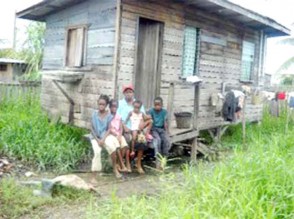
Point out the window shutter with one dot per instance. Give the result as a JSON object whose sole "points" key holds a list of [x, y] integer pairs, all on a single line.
{"points": [[247, 60], [190, 52], [79, 50], [71, 42]]}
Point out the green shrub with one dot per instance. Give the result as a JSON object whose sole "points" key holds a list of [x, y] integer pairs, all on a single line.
{"points": [[16, 200], [252, 183], [28, 135]]}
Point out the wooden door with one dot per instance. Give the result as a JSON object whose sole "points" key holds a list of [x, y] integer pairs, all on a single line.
{"points": [[148, 60]]}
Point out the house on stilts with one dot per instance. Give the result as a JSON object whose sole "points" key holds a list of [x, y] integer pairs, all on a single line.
{"points": [[95, 47]]}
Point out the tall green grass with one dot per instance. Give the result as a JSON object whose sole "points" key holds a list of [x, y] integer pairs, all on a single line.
{"points": [[254, 183], [27, 134]]}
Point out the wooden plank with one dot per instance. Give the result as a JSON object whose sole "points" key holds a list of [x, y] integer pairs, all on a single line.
{"points": [[194, 151], [186, 136], [170, 102]]}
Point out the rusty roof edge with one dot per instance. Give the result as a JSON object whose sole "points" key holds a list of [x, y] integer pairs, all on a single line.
{"points": [[24, 12], [223, 3], [251, 14]]}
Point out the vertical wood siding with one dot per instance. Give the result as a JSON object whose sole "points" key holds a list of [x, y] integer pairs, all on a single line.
{"points": [[99, 18], [220, 54]]}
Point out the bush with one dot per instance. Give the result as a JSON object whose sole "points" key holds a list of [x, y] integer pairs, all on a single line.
{"points": [[252, 183], [28, 134]]}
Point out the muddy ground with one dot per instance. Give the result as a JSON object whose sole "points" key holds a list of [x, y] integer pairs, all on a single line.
{"points": [[106, 185]]}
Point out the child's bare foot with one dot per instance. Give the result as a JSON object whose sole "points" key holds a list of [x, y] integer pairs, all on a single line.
{"points": [[118, 168], [124, 170], [129, 170], [117, 175], [141, 171]]}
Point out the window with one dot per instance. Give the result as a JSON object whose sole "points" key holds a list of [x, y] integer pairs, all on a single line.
{"points": [[75, 47], [3, 67], [190, 51], [247, 61]]}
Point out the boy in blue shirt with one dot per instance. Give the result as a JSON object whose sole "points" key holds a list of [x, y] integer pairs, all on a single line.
{"points": [[160, 131]]}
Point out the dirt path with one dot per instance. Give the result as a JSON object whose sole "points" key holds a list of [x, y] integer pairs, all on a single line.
{"points": [[133, 184]]}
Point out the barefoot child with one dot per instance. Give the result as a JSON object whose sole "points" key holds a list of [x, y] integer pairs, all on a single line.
{"points": [[101, 119], [116, 129], [137, 119], [160, 130]]}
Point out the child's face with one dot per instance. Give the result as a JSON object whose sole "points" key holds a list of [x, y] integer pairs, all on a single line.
{"points": [[129, 94], [101, 105], [113, 108], [137, 107], [157, 105]]}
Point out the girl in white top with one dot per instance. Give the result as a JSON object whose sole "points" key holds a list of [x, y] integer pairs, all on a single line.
{"points": [[137, 119]]}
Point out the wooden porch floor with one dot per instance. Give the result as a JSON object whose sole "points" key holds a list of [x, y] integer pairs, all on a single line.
{"points": [[177, 134]]}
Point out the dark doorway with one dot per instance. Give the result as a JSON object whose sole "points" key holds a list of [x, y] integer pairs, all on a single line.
{"points": [[148, 62]]}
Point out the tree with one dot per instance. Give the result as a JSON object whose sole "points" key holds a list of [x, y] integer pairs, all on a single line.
{"points": [[31, 51], [33, 47]]}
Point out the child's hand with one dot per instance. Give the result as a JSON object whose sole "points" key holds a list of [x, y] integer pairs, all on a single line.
{"points": [[132, 154], [101, 142]]}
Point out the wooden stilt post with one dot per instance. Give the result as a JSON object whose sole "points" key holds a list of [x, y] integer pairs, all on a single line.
{"points": [[244, 121], [194, 151], [287, 119], [170, 102]]}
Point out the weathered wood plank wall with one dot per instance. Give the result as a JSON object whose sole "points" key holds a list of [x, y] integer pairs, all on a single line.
{"points": [[219, 62], [99, 17]]}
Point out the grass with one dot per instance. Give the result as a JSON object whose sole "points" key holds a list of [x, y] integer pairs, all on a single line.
{"points": [[28, 135], [252, 183], [17, 201]]}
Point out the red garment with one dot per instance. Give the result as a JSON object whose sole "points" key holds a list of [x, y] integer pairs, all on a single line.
{"points": [[281, 96]]}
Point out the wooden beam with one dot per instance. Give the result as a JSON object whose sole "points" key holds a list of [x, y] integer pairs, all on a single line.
{"points": [[244, 121], [186, 136], [70, 100], [170, 102], [196, 105], [117, 47], [194, 151]]}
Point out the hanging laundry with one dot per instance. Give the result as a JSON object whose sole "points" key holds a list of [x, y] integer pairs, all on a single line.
{"points": [[229, 107], [291, 99], [281, 95], [241, 97]]}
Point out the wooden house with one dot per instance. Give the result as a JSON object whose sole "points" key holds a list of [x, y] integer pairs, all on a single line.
{"points": [[10, 69], [95, 47]]}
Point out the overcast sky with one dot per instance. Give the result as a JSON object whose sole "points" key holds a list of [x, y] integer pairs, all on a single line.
{"points": [[280, 10]]}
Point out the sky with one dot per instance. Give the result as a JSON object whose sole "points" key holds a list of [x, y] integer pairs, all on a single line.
{"points": [[280, 10]]}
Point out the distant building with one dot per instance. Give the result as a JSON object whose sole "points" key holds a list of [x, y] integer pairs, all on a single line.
{"points": [[10, 69]]}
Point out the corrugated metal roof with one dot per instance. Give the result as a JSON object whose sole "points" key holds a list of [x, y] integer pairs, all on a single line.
{"points": [[13, 61], [225, 9]]}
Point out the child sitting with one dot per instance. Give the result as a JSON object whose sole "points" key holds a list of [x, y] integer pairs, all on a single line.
{"points": [[116, 130], [137, 119], [101, 119], [160, 131]]}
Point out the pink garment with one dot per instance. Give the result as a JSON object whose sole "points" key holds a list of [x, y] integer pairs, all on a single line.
{"points": [[115, 124]]}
